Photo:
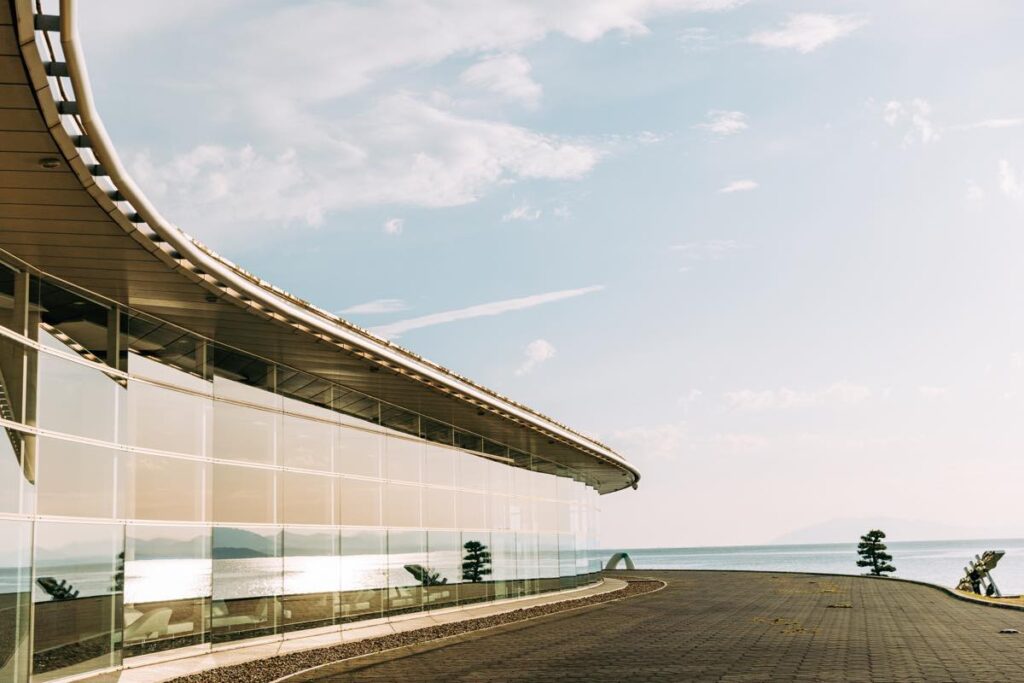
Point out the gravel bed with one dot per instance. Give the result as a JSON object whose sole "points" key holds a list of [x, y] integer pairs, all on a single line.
{"points": [[273, 668]]}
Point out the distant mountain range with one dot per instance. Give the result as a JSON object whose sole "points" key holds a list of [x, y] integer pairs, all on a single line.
{"points": [[849, 529]]}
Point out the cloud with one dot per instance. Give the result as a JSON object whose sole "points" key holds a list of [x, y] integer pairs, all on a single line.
{"points": [[523, 212], [375, 307], [698, 39], [1009, 182], [507, 75], [708, 250], [739, 186], [916, 115], [807, 32], [675, 441], [991, 124], [538, 351], [840, 393], [933, 393], [394, 226], [404, 151], [393, 330], [975, 193], [320, 150], [723, 123]]}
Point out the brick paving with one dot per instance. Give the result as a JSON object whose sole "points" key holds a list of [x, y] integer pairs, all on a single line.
{"points": [[729, 626]]}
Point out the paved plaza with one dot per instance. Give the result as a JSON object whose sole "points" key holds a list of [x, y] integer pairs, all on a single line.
{"points": [[729, 626]]}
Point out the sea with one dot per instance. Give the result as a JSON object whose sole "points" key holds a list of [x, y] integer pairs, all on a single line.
{"points": [[940, 562]]}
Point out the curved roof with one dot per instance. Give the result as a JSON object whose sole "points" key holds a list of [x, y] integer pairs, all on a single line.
{"points": [[81, 218]]}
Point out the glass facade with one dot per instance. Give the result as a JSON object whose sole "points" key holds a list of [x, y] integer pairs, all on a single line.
{"points": [[163, 494]]}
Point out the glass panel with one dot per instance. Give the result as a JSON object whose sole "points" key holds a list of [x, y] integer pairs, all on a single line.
{"points": [[243, 494], [499, 478], [469, 442], [241, 377], [166, 420], [443, 572], [526, 562], [477, 568], [12, 480], [499, 512], [247, 574], [312, 578], [435, 431], [15, 599], [244, 433], [439, 466], [166, 588], [473, 472], [305, 498], [544, 485], [164, 488], [80, 324], [306, 444], [407, 555], [567, 560], [400, 420], [143, 365], [503, 565], [18, 374], [7, 278], [359, 502], [166, 344], [74, 398], [364, 580], [547, 515], [403, 459], [492, 448], [355, 404], [523, 482], [472, 512], [302, 387], [401, 505], [78, 598], [439, 508], [547, 561], [357, 451], [76, 479], [563, 512]]}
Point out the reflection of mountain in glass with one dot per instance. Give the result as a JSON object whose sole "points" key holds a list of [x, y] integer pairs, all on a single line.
{"points": [[476, 563], [234, 544]]}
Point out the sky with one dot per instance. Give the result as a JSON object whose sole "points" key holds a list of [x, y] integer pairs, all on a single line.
{"points": [[769, 251]]}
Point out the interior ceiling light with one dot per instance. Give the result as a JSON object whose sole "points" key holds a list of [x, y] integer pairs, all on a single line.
{"points": [[49, 162]]}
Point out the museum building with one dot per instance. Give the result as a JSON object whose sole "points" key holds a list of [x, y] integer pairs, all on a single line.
{"points": [[195, 459]]}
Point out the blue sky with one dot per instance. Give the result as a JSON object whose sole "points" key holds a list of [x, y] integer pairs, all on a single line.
{"points": [[770, 251]]}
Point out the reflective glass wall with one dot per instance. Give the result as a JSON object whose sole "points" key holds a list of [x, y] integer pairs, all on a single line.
{"points": [[183, 495]]}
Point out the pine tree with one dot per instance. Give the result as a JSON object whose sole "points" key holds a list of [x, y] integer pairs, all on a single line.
{"points": [[476, 564], [873, 553]]}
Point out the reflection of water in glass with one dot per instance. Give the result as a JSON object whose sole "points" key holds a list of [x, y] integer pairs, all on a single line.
{"points": [[940, 562], [155, 580]]}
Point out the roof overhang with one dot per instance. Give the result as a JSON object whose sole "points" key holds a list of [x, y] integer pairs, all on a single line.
{"points": [[86, 222]]}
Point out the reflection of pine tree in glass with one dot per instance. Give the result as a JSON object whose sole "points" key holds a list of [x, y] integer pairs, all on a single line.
{"points": [[874, 554], [476, 564]]}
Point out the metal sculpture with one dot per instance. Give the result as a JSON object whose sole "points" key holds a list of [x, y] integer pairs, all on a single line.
{"points": [[978, 574], [614, 562]]}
